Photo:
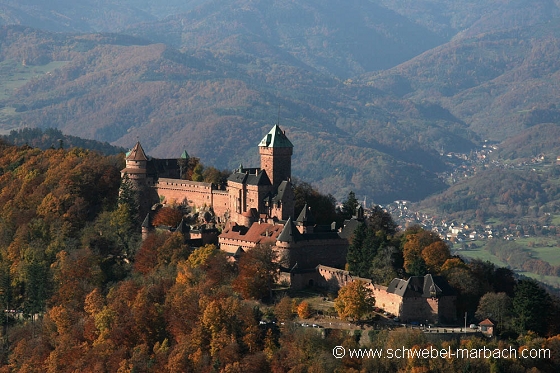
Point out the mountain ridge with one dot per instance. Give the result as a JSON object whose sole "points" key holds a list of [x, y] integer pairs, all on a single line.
{"points": [[217, 95]]}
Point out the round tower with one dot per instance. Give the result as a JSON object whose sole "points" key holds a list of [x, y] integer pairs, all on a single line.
{"points": [[136, 165]]}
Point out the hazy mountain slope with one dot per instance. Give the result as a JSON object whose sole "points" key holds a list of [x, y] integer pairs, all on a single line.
{"points": [[472, 17], [72, 15], [334, 36], [497, 83], [540, 140], [119, 89], [506, 195]]}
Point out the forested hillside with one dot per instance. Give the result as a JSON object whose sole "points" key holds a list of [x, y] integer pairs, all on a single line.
{"points": [[332, 36], [54, 138], [82, 293], [498, 83]]}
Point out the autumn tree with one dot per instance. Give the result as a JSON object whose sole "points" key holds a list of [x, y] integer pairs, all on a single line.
{"points": [[168, 216], [258, 270], [435, 255], [415, 241], [284, 309], [354, 301], [304, 310]]}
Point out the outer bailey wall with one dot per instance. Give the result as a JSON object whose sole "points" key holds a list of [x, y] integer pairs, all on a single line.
{"points": [[440, 310], [390, 302], [334, 279]]}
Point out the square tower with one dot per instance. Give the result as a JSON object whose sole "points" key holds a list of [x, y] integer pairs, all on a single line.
{"points": [[276, 156]]}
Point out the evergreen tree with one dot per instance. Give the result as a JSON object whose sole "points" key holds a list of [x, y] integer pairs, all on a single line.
{"points": [[531, 306], [370, 237], [350, 205], [36, 287], [128, 196]]}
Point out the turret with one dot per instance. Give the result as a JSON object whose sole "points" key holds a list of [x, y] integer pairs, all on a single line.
{"points": [[136, 164]]}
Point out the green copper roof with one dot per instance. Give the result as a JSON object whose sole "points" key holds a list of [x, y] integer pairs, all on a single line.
{"points": [[276, 138], [185, 155]]}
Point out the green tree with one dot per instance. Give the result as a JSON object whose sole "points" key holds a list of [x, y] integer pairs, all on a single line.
{"points": [[359, 256], [369, 240], [531, 307], [197, 173], [128, 196], [37, 286], [354, 301], [350, 205], [322, 206]]}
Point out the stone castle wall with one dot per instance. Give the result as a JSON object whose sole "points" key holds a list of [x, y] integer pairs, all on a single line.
{"points": [[419, 309], [196, 194]]}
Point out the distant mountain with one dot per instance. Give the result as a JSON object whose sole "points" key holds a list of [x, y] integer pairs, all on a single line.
{"points": [[467, 18], [333, 36], [502, 195], [119, 89], [72, 15], [497, 83], [212, 76]]}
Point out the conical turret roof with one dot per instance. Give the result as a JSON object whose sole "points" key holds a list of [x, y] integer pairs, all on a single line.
{"points": [[290, 233], [136, 153], [306, 217]]}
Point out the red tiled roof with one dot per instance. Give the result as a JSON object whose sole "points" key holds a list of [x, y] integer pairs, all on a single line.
{"points": [[137, 153], [486, 322]]}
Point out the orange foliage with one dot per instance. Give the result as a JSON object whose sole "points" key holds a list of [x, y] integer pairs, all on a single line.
{"points": [[435, 255], [168, 216]]}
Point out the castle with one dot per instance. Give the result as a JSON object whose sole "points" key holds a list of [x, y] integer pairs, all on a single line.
{"points": [[258, 208], [252, 194], [257, 205]]}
